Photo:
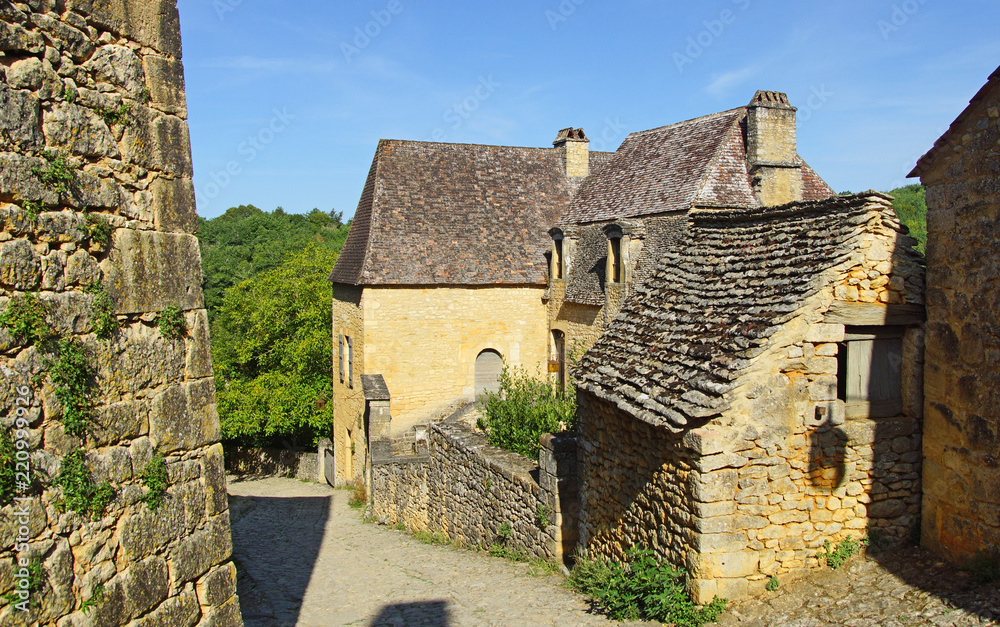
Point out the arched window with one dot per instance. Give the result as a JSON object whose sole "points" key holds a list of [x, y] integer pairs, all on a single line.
{"points": [[488, 365], [615, 274], [558, 269]]}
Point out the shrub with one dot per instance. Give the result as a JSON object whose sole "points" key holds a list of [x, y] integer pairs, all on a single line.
{"points": [[845, 550], [154, 477], [104, 319], [71, 375], [644, 588], [79, 491], [524, 409], [25, 319], [172, 323]]}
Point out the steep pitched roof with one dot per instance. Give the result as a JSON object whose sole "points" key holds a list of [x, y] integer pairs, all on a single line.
{"points": [[455, 214], [683, 339], [925, 161]]}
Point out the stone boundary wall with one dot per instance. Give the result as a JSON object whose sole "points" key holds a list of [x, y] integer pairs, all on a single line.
{"points": [[97, 221], [476, 494], [247, 462]]}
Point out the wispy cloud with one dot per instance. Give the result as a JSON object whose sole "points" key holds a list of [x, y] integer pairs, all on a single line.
{"points": [[723, 83], [273, 64]]}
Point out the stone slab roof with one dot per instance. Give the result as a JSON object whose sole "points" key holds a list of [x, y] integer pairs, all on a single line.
{"points": [[683, 339], [941, 144], [455, 214]]}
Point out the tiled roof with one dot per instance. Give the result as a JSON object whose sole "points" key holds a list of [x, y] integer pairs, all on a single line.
{"points": [[684, 338], [924, 162], [455, 214], [588, 268]]}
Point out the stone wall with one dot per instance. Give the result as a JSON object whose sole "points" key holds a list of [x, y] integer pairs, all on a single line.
{"points": [[424, 341], [96, 196], [478, 495], [249, 462], [961, 506], [349, 402]]}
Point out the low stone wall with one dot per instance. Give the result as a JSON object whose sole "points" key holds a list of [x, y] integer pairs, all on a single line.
{"points": [[480, 495], [272, 462]]}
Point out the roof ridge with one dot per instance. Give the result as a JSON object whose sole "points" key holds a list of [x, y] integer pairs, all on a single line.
{"points": [[417, 142], [718, 114]]}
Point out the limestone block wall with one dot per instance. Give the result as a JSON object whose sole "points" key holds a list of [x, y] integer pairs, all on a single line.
{"points": [[97, 221], [424, 341], [348, 397], [961, 507], [478, 495]]}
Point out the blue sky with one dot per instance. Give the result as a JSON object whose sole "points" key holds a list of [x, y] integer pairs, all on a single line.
{"points": [[287, 100]]}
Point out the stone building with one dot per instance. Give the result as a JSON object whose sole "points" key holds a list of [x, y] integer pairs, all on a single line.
{"points": [[97, 223], [961, 507], [758, 395], [442, 276], [625, 218]]}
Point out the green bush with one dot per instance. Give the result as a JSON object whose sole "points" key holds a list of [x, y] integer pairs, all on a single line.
{"points": [[154, 477], [79, 491], [524, 409], [644, 588], [25, 319], [845, 550]]}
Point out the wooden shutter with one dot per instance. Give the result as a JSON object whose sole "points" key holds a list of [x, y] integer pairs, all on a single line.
{"points": [[874, 375], [350, 363], [340, 352]]}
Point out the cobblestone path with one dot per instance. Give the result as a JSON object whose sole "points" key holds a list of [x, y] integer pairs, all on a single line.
{"points": [[306, 558]]}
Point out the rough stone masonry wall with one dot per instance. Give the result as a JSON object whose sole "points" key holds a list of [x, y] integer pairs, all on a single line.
{"points": [[961, 507], [92, 131], [476, 494], [348, 397]]}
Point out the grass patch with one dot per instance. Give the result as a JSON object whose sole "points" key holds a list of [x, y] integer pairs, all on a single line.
{"points": [[359, 494], [154, 477], [172, 323], [79, 491], [644, 588], [25, 319], [837, 556], [435, 538]]}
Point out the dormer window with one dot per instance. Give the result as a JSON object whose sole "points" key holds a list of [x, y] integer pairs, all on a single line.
{"points": [[557, 269]]}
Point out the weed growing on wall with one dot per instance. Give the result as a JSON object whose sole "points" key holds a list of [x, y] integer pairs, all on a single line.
{"points": [[36, 583], [72, 375], [25, 319], [103, 316], [99, 230], [7, 468], [359, 495], [56, 174], [79, 491], [33, 208], [95, 600], [524, 409], [772, 584], [154, 477], [172, 324], [644, 588], [116, 115], [544, 516], [845, 550]]}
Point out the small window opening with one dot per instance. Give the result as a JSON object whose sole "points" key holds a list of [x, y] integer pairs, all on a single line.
{"points": [[615, 260], [557, 260], [350, 363], [340, 353]]}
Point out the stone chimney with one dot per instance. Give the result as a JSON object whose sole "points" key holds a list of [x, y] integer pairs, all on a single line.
{"points": [[575, 149], [772, 156]]}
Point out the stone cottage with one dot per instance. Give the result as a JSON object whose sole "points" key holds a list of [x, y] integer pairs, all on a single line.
{"points": [[759, 394], [961, 507], [624, 219], [442, 277]]}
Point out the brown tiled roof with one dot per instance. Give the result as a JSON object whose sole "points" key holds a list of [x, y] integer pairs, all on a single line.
{"points": [[924, 162], [588, 268], [455, 214], [813, 187], [686, 335]]}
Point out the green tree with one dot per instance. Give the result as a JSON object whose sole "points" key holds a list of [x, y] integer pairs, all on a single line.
{"points": [[911, 207], [246, 241], [271, 346]]}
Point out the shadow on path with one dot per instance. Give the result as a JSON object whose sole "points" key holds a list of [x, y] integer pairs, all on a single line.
{"points": [[422, 614]]}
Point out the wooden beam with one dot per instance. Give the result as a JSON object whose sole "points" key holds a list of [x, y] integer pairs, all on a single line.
{"points": [[874, 314]]}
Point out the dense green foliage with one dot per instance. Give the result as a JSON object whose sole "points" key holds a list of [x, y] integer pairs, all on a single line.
{"points": [[79, 491], [154, 477], [644, 588], [911, 208], [103, 311], [246, 241], [171, 323], [524, 409], [271, 346], [7, 468], [72, 382], [25, 319], [837, 556]]}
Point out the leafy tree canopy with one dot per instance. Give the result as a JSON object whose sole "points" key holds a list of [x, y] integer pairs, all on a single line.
{"points": [[910, 205], [246, 241], [272, 352]]}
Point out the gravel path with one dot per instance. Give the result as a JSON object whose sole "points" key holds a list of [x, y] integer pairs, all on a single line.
{"points": [[306, 558]]}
